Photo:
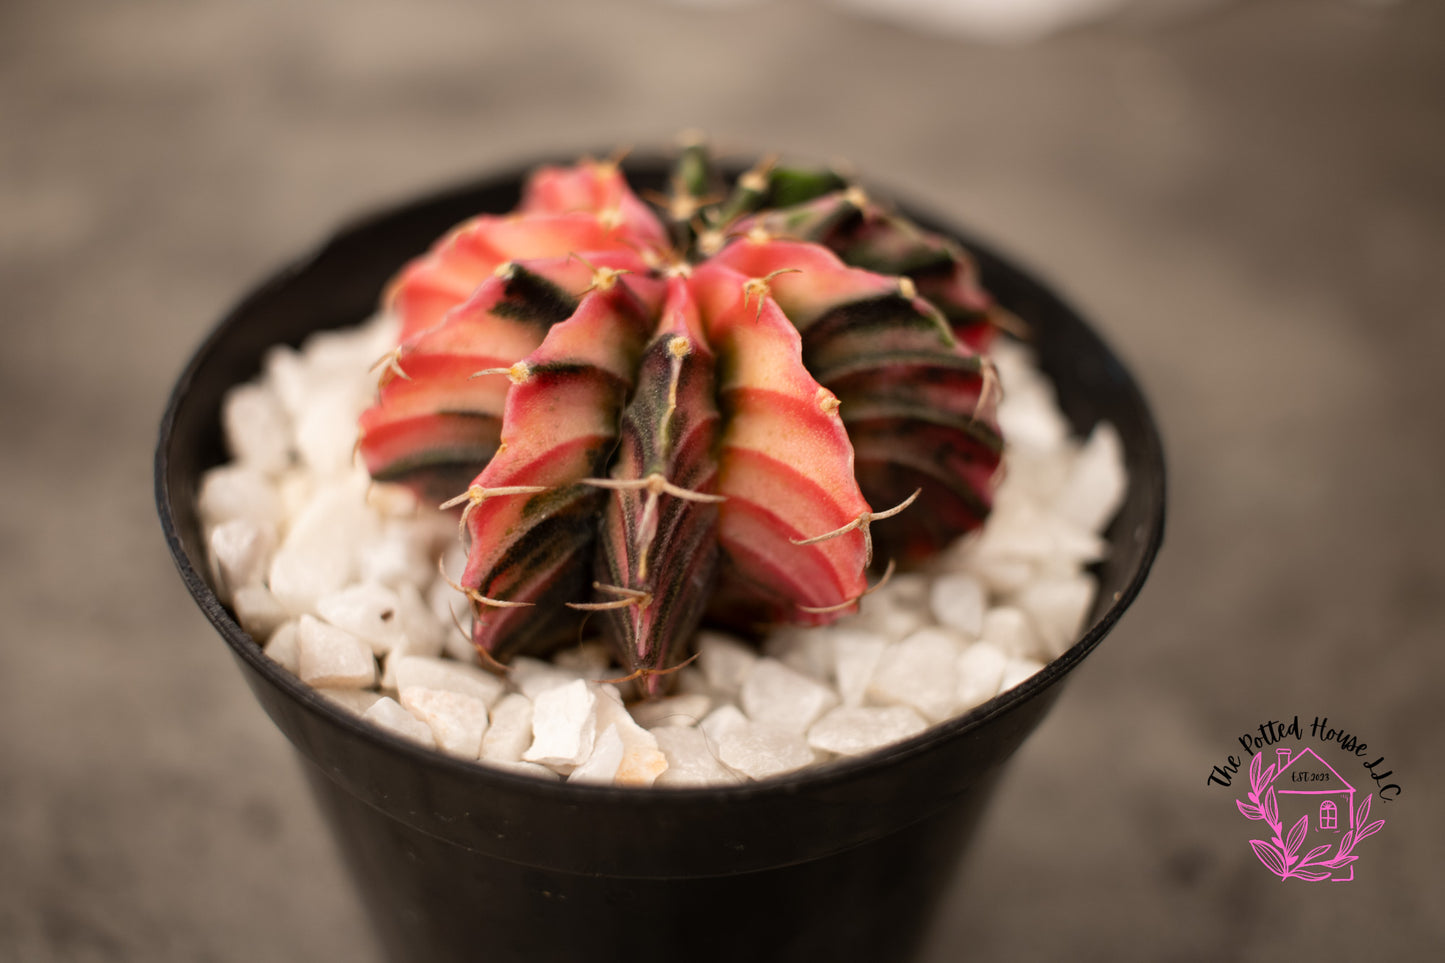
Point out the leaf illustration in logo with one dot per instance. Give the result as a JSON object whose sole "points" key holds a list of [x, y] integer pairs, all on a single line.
{"points": [[1370, 830], [1256, 772], [1313, 875], [1268, 855], [1362, 812], [1339, 861], [1315, 853], [1296, 836], [1271, 806], [1250, 812]]}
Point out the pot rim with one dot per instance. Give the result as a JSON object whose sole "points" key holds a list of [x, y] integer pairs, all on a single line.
{"points": [[1150, 487]]}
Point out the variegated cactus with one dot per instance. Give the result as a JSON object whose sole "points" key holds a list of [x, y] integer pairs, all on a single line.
{"points": [[700, 410]]}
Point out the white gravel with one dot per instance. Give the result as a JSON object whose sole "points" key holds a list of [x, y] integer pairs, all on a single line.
{"points": [[457, 721], [332, 657], [854, 730], [337, 578]]}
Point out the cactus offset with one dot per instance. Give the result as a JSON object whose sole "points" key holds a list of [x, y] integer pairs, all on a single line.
{"points": [[716, 411]]}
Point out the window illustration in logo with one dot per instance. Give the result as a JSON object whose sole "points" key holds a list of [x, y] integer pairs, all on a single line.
{"points": [[1325, 820]]}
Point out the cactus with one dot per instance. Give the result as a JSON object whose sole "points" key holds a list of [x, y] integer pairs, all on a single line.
{"points": [[736, 405]]}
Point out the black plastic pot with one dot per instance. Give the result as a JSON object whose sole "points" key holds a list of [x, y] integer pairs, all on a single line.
{"points": [[458, 862]]}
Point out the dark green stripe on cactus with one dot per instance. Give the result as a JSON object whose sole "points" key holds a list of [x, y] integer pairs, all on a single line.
{"points": [[557, 552], [532, 299], [780, 188], [797, 185]]}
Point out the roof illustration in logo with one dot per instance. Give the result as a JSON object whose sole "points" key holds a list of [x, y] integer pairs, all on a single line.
{"points": [[1297, 756]]}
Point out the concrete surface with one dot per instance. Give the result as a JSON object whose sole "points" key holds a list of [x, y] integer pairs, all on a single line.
{"points": [[1248, 198]]}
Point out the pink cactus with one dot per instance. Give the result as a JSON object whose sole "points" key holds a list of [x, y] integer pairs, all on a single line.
{"points": [[702, 413]]}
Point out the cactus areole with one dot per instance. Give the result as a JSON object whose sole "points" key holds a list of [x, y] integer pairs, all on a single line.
{"points": [[737, 405]]}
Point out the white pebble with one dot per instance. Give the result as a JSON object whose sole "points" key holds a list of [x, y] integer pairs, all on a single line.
{"points": [[564, 725], [241, 549], [850, 731], [457, 721], [433, 673], [1017, 363], [418, 623], [259, 612], [287, 374], [394, 501], [377, 335], [759, 750], [460, 649], [980, 674], [601, 766], [855, 659], [910, 589], [883, 616], [404, 649], [454, 613], [1021, 529], [343, 355], [784, 697], [333, 657], [421, 636], [1029, 416], [510, 731], [725, 661], [803, 648], [294, 487], [692, 681], [920, 672], [532, 677], [257, 428], [1057, 567], [958, 602], [370, 612], [452, 564], [326, 432], [1096, 486], [641, 765], [1040, 475], [236, 491], [1058, 607], [318, 554], [642, 761], [590, 660], [284, 649], [389, 715], [1017, 671], [683, 709], [399, 553], [524, 768], [1009, 629], [353, 700], [1074, 546], [723, 720], [691, 761], [1017, 529], [999, 574]]}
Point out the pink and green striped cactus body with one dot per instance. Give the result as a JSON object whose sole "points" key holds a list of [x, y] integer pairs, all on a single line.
{"points": [[732, 410]]}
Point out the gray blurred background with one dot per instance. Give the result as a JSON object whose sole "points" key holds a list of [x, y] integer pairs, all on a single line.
{"points": [[1248, 198]]}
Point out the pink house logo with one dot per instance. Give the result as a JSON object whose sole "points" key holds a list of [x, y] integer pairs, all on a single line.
{"points": [[1326, 823]]}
